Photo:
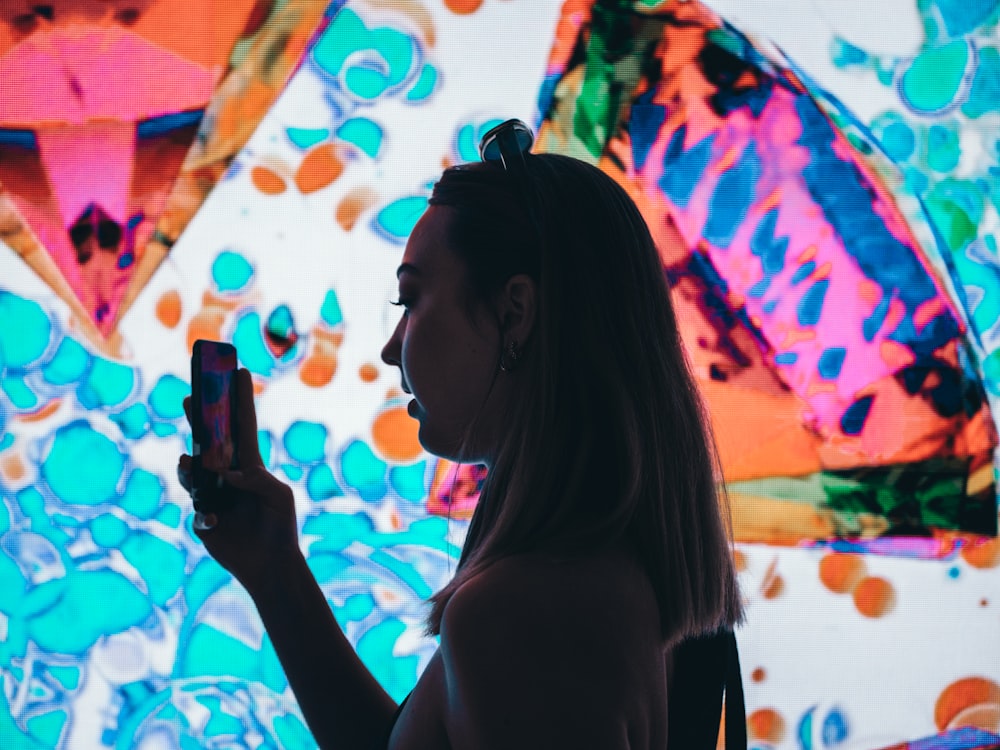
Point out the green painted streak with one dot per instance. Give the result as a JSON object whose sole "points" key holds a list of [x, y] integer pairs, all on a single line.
{"points": [[933, 79], [952, 221], [68, 363], [24, 336], [83, 467]]}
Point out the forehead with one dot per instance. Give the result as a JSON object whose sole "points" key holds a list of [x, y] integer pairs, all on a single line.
{"points": [[429, 247]]}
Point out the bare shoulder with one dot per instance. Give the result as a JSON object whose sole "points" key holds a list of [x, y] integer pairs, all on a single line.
{"points": [[550, 649]]}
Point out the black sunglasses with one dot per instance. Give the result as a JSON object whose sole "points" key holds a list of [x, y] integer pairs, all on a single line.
{"points": [[507, 144]]}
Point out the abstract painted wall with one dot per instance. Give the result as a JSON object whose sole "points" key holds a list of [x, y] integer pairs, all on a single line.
{"points": [[823, 186]]}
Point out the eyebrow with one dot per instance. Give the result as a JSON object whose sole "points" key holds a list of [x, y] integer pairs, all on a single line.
{"points": [[408, 268]]}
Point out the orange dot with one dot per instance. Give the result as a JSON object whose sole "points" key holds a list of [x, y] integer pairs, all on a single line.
{"points": [[841, 572], [394, 433], [12, 467], [758, 675], [352, 206], [739, 561], [772, 587], [984, 602], [874, 597], [982, 553], [319, 168], [317, 370], [766, 724], [368, 373], [267, 181], [168, 308], [463, 7], [962, 694]]}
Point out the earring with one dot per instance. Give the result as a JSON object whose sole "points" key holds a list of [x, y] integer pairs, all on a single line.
{"points": [[509, 357]]}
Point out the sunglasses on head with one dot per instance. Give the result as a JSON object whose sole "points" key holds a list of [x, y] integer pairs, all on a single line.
{"points": [[507, 143]]}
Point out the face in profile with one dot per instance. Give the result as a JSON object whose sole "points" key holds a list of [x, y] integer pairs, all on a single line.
{"points": [[447, 353]]}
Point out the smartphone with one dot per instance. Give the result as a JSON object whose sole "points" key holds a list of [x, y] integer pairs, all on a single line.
{"points": [[214, 442]]}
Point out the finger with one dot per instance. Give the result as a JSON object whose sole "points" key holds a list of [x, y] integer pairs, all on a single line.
{"points": [[247, 419], [185, 472], [187, 408]]}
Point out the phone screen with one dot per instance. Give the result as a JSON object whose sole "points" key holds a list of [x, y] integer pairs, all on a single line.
{"points": [[213, 391]]}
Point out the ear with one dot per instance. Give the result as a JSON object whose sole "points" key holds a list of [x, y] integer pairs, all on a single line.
{"points": [[517, 307]]}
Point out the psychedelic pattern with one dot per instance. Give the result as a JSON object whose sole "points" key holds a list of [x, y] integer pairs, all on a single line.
{"points": [[282, 235]]}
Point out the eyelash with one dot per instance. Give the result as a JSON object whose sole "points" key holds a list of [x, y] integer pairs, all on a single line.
{"points": [[404, 303]]}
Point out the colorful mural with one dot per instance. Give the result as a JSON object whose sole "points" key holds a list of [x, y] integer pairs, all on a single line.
{"points": [[832, 258]]}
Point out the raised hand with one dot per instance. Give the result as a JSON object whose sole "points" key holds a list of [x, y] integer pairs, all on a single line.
{"points": [[255, 532]]}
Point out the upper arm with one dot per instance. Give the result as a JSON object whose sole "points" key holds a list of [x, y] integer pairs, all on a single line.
{"points": [[527, 666]]}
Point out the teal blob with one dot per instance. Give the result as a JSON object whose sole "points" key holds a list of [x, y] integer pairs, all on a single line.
{"points": [[160, 564], [984, 95], [408, 481], [133, 421], [249, 341], [219, 722], [280, 323], [330, 311], [83, 466], [364, 133], [307, 137], [404, 571], [376, 648], [291, 732], [934, 78], [207, 578], [293, 472], [843, 54], [366, 82], [321, 484], [143, 494], [896, 136], [20, 395], [424, 85], [6, 441], [364, 471], [210, 652], [396, 221], [467, 143], [24, 336], [167, 397], [108, 530], [47, 727], [231, 271], [336, 531], [76, 620], [68, 677], [962, 16], [390, 51], [163, 429], [943, 150], [169, 515], [12, 584], [356, 608], [4, 519], [326, 566], [107, 384], [306, 441], [68, 364], [991, 370]]}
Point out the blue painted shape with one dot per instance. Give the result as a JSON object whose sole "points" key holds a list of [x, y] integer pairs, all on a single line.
{"points": [[68, 363], [732, 198], [20, 395], [23, 343], [770, 249], [424, 85], [409, 481], [803, 271], [330, 311], [167, 397], [133, 421], [364, 133], [853, 420], [830, 362], [962, 16], [396, 221], [364, 471], [249, 341], [321, 483], [306, 441], [682, 169], [810, 307], [643, 128], [786, 358]]}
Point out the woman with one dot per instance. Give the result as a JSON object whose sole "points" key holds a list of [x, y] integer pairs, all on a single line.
{"points": [[537, 337]]}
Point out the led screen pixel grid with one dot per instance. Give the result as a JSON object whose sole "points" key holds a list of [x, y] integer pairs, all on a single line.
{"points": [[292, 257]]}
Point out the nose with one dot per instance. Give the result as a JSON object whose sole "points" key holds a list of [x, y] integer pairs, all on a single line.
{"points": [[392, 351]]}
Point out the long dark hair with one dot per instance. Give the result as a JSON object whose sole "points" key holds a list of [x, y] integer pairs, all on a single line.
{"points": [[608, 442]]}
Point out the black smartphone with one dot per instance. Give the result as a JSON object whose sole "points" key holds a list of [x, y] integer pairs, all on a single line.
{"points": [[215, 447]]}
